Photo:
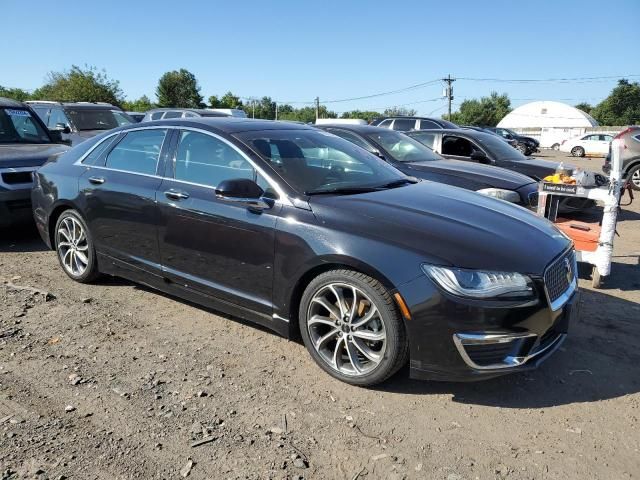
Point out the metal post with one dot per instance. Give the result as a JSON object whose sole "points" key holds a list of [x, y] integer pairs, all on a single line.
{"points": [[317, 108], [449, 92], [276, 110]]}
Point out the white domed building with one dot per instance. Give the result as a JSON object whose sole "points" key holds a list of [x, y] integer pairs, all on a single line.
{"points": [[552, 121]]}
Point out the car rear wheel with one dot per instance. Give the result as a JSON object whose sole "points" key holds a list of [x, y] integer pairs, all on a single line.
{"points": [[352, 328], [522, 148], [555, 146], [634, 177], [577, 152], [75, 247]]}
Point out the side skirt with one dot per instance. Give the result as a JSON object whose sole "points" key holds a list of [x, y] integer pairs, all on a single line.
{"points": [[119, 268]]}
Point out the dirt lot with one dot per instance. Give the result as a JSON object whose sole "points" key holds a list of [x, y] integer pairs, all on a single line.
{"points": [[114, 381]]}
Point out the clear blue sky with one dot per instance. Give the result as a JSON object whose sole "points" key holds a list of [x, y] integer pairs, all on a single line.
{"points": [[296, 49]]}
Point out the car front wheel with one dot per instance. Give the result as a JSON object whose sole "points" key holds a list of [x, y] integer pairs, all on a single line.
{"points": [[74, 247], [634, 177], [352, 328]]}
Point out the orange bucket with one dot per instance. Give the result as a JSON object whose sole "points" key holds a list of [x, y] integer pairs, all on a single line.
{"points": [[585, 235]]}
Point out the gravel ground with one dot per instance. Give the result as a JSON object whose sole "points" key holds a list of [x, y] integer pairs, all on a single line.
{"points": [[115, 381]]}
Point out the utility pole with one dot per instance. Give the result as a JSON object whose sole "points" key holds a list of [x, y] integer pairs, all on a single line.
{"points": [[317, 108], [449, 91], [253, 109], [276, 110]]}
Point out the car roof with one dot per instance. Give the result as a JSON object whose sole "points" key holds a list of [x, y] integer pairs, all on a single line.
{"points": [[355, 127], [76, 105], [9, 102], [225, 124]]}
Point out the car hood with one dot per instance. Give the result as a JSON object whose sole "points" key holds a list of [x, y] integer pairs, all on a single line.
{"points": [[28, 155], [448, 226], [495, 176]]}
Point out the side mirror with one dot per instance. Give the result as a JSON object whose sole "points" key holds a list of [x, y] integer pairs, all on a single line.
{"points": [[243, 191], [480, 157], [63, 128]]}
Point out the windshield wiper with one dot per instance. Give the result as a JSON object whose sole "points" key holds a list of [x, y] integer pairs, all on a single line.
{"points": [[342, 190], [399, 183]]}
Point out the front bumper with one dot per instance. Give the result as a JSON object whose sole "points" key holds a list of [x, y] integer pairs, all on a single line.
{"points": [[15, 207], [466, 340]]}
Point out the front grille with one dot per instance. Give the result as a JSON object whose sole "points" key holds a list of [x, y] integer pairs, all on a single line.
{"points": [[12, 178], [560, 275]]}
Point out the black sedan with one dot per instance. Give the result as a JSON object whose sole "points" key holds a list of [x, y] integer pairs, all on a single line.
{"points": [[305, 233], [478, 147], [413, 158]]}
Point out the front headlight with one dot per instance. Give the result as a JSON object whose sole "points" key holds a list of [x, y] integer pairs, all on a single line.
{"points": [[507, 195], [478, 283]]}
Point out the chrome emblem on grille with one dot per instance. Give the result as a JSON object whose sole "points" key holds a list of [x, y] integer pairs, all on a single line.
{"points": [[569, 270]]}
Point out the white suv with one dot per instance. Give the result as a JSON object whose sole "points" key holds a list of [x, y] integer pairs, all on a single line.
{"points": [[594, 144]]}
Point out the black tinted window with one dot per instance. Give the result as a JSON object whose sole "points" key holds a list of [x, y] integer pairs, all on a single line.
{"points": [[156, 115], [404, 124], [138, 152], [458, 146], [90, 119], [172, 115], [206, 160], [427, 124]]}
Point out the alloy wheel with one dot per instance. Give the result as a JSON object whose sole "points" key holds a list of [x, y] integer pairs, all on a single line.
{"points": [[635, 179], [346, 329], [72, 246]]}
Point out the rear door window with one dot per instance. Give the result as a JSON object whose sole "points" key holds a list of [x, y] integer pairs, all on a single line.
{"points": [[385, 123], [138, 152], [172, 114], [428, 124], [457, 146], [156, 115]]}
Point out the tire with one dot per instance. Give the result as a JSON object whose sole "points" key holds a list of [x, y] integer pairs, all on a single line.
{"points": [[633, 177], [522, 148], [555, 146], [354, 352], [74, 247], [577, 152]]}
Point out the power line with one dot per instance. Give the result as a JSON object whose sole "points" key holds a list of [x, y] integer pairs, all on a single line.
{"points": [[548, 80]]}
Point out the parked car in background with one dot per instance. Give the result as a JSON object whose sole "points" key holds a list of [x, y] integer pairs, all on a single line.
{"points": [[404, 124], [261, 220], [81, 120], [630, 138], [25, 145], [137, 116], [596, 144], [167, 113], [527, 145], [414, 158], [480, 147], [232, 112], [511, 141]]}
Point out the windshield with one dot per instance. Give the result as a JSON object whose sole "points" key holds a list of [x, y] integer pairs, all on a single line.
{"points": [[403, 148], [98, 119], [17, 125], [313, 161], [498, 147]]}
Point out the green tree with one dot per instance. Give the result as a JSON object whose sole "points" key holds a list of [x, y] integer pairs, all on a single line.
{"points": [[305, 114], [179, 88], [585, 107], [399, 112], [80, 85], [228, 100], [364, 115], [15, 93], [487, 111], [621, 107], [141, 104]]}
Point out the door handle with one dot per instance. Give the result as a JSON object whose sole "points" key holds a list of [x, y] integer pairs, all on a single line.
{"points": [[176, 195], [96, 180]]}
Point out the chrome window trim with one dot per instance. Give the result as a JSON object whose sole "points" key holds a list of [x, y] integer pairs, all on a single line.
{"points": [[283, 197], [462, 339]]}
